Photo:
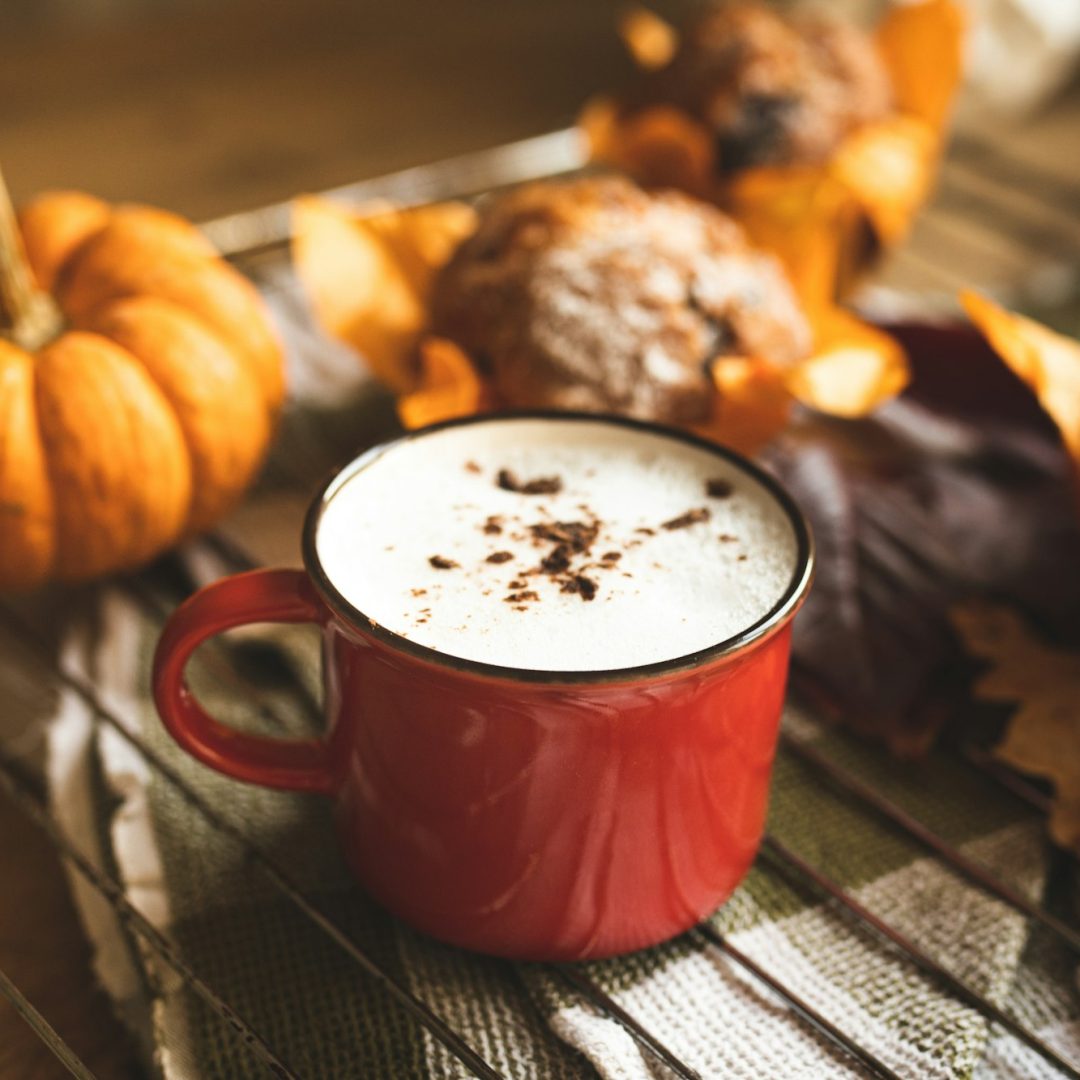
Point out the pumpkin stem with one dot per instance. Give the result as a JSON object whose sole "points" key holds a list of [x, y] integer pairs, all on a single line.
{"points": [[28, 315]]}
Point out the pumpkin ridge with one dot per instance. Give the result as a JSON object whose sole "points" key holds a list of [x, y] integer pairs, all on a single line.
{"points": [[47, 478], [31, 472], [120, 264], [55, 227], [115, 456], [251, 364], [129, 423], [66, 268], [222, 413], [50, 473]]}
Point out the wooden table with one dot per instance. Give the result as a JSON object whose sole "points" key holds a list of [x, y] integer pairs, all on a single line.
{"points": [[210, 109]]}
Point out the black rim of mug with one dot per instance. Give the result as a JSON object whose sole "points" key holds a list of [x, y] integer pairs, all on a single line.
{"points": [[783, 610]]}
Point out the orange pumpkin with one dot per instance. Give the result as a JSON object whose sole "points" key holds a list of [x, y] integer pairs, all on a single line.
{"points": [[140, 381]]}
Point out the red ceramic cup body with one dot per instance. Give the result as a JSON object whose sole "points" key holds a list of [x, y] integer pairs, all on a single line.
{"points": [[551, 822], [528, 814]]}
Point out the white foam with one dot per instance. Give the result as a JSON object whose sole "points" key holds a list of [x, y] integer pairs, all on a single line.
{"points": [[687, 588]]}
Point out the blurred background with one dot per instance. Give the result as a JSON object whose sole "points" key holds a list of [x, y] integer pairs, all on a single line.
{"points": [[208, 107], [213, 106]]}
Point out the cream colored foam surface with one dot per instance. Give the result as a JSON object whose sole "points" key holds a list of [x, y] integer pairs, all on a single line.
{"points": [[671, 592]]}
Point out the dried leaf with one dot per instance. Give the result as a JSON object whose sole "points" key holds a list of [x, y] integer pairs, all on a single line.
{"points": [[369, 275], [801, 215], [1043, 736], [1048, 362], [599, 122], [889, 168], [651, 40], [424, 237], [873, 635], [854, 368], [660, 146], [449, 386], [914, 508], [752, 403], [922, 46]]}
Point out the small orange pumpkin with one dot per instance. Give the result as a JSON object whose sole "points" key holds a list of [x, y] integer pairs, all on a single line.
{"points": [[140, 380]]}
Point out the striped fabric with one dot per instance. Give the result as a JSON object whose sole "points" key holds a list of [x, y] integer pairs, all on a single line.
{"points": [[326, 1019], [323, 1017]]}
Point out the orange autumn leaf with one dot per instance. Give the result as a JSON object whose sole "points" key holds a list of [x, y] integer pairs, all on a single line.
{"points": [[660, 146], [448, 387], [800, 214], [1043, 735], [752, 403], [854, 367], [889, 168], [650, 40], [598, 122], [1047, 361], [349, 274], [922, 46], [424, 237], [369, 274]]}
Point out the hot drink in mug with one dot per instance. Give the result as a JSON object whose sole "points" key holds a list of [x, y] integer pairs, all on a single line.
{"points": [[555, 650]]}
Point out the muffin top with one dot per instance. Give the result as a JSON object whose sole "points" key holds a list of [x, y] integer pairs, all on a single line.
{"points": [[596, 295], [774, 88]]}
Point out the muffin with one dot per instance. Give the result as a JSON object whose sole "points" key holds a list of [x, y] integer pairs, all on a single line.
{"points": [[821, 139], [771, 88], [596, 295], [591, 294]]}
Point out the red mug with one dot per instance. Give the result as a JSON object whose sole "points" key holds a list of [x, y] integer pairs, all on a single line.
{"points": [[528, 814]]}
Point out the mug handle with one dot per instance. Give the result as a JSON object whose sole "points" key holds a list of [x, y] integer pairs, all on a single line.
{"points": [[282, 596]]}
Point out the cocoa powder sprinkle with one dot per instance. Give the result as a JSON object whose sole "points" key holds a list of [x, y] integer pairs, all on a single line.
{"points": [[584, 586], [542, 485], [684, 521], [718, 488], [440, 562], [578, 536], [499, 557], [557, 561]]}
